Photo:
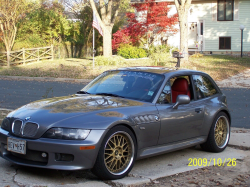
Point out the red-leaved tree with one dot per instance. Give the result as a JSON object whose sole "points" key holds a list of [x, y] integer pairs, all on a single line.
{"points": [[150, 17], [120, 37]]}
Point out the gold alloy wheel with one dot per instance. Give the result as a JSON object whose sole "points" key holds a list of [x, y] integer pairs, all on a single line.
{"points": [[119, 153], [221, 132]]}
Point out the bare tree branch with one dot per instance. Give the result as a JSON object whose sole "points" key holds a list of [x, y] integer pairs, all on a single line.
{"points": [[109, 11], [10, 12], [177, 3], [116, 10]]}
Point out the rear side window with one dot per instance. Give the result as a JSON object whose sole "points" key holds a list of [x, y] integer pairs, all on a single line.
{"points": [[203, 87]]}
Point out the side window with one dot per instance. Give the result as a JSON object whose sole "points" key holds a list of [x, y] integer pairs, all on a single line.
{"points": [[174, 87], [203, 87], [165, 96]]}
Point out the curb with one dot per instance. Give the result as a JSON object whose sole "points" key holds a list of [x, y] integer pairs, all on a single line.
{"points": [[45, 79]]}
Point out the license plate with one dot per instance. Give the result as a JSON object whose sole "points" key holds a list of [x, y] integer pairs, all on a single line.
{"points": [[16, 145]]}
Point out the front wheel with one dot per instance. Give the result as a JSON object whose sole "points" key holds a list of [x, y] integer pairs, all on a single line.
{"points": [[219, 134], [116, 155]]}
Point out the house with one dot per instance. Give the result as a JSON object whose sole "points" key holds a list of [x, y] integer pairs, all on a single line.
{"points": [[214, 26]]}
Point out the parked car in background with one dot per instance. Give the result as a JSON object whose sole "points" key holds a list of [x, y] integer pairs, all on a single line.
{"points": [[121, 116]]}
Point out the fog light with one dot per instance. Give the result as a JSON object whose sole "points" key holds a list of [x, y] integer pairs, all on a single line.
{"points": [[44, 155], [64, 157]]}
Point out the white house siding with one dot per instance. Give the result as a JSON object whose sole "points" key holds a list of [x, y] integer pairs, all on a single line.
{"points": [[215, 29], [206, 11]]}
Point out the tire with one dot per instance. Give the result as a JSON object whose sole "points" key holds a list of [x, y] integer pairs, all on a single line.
{"points": [[219, 134], [116, 155]]}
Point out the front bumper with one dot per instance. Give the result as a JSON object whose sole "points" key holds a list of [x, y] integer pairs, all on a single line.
{"points": [[60, 154]]}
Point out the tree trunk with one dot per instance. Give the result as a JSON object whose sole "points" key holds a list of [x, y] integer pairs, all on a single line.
{"points": [[8, 58], [80, 50], [182, 7], [75, 50], [108, 15], [72, 49], [184, 35], [107, 41], [66, 51]]}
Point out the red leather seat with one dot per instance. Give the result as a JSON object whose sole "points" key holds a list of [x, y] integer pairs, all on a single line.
{"points": [[180, 87]]}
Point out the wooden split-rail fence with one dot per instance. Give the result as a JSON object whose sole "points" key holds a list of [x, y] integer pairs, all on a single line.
{"points": [[27, 55]]}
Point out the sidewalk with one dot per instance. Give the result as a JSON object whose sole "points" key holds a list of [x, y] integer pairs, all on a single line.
{"points": [[240, 137]]}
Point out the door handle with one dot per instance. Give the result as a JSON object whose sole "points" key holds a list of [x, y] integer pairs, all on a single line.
{"points": [[198, 110]]}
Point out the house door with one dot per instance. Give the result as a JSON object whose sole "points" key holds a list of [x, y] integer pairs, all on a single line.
{"points": [[192, 35]]}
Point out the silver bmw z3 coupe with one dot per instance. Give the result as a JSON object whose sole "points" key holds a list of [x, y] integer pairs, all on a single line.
{"points": [[121, 116]]}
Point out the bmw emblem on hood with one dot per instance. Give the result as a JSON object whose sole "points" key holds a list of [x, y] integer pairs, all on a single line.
{"points": [[156, 118], [27, 119]]}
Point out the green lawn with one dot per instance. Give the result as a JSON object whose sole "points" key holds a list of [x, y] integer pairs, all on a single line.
{"points": [[218, 66]]}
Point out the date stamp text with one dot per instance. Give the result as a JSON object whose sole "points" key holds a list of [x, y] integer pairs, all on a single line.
{"points": [[212, 162]]}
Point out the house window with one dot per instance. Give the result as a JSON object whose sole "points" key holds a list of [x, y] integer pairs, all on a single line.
{"points": [[225, 43], [225, 10]]}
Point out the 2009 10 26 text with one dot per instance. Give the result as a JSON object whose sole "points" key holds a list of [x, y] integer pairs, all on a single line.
{"points": [[212, 162]]}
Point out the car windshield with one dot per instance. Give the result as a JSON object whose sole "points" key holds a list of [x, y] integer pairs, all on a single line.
{"points": [[136, 85]]}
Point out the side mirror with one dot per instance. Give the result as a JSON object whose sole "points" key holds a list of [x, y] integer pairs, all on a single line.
{"points": [[181, 100]]}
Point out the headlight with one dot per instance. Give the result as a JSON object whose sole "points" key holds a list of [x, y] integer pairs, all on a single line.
{"points": [[6, 124], [67, 134]]}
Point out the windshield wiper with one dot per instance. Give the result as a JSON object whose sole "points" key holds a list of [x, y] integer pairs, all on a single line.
{"points": [[110, 94], [82, 92]]}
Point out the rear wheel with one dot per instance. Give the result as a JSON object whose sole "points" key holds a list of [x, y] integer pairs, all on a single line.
{"points": [[116, 155], [219, 134]]}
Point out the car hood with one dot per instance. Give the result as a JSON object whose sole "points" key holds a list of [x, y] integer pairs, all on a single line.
{"points": [[54, 110]]}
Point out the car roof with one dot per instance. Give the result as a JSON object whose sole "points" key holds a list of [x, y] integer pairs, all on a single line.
{"points": [[157, 70]]}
